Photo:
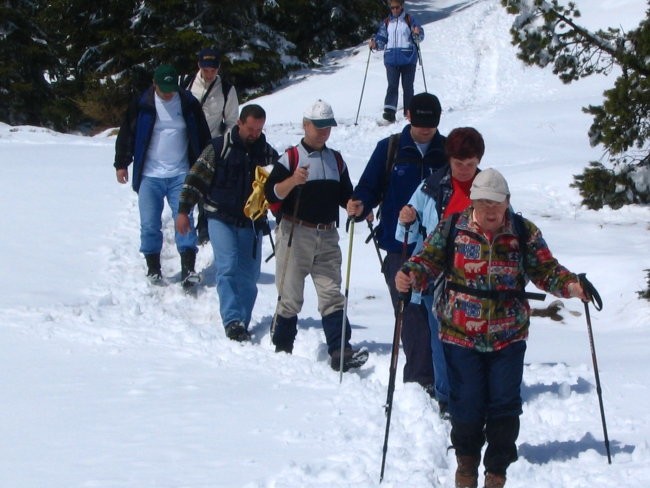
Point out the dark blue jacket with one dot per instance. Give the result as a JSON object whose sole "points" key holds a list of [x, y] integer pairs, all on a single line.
{"points": [[135, 133], [394, 191]]}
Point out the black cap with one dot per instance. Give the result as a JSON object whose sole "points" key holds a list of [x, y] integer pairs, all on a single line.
{"points": [[425, 110]]}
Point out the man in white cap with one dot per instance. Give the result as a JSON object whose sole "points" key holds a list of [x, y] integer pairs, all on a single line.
{"points": [[484, 320], [312, 182]]}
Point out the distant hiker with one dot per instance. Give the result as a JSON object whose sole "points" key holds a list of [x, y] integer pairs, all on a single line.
{"points": [[222, 179], [397, 166], [217, 97], [163, 133], [220, 105], [484, 320], [443, 193], [312, 187], [399, 36]]}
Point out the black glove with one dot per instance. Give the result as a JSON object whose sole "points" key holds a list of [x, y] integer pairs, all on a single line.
{"points": [[590, 291]]}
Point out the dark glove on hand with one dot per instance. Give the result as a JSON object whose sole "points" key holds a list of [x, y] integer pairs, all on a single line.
{"points": [[406, 297], [590, 291]]}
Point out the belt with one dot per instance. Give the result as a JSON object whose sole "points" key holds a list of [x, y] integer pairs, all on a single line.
{"points": [[309, 225]]}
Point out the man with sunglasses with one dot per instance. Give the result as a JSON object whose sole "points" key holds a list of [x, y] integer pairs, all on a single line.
{"points": [[398, 36]]}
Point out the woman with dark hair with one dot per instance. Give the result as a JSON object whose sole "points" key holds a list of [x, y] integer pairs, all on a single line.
{"points": [[441, 194]]}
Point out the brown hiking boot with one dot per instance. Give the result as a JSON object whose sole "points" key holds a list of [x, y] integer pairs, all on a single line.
{"points": [[467, 471], [494, 480]]}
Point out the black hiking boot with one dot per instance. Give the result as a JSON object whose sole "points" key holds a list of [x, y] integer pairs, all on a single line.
{"points": [[154, 274], [389, 115], [352, 358], [236, 331], [189, 277]]}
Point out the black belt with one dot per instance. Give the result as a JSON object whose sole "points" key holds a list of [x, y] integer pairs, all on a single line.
{"points": [[309, 225], [495, 294]]}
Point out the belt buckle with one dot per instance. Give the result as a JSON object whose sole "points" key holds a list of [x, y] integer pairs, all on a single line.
{"points": [[324, 226]]}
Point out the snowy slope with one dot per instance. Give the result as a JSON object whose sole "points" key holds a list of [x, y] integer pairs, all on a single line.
{"points": [[108, 382]]}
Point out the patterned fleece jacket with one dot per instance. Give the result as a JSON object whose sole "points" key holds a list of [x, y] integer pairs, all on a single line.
{"points": [[487, 324]]}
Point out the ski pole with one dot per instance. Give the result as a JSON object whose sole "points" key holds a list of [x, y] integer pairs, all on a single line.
{"points": [[417, 47], [397, 333], [374, 240], [286, 261], [363, 87], [272, 249], [594, 297], [345, 303]]}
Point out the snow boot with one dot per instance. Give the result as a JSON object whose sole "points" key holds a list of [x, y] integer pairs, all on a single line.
{"points": [[494, 481], [353, 358], [189, 277], [154, 274], [467, 471], [389, 115], [236, 331], [285, 333]]}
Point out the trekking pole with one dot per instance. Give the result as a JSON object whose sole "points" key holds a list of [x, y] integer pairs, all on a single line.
{"points": [[363, 87], [286, 261], [374, 240], [417, 47], [594, 297], [345, 303], [270, 256], [399, 320]]}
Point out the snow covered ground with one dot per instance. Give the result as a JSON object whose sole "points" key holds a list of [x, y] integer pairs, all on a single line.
{"points": [[109, 382]]}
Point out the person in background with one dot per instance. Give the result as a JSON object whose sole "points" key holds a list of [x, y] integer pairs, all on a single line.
{"points": [[390, 180], [222, 179], [311, 191], [218, 98], [484, 320], [444, 192], [220, 105], [398, 36], [163, 133]]}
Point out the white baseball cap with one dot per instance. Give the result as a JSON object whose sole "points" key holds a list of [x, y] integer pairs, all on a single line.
{"points": [[321, 115], [489, 184]]}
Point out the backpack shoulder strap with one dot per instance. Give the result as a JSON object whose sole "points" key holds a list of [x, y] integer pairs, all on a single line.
{"points": [[294, 157], [391, 154], [225, 89], [522, 233], [339, 161], [449, 231], [221, 146]]}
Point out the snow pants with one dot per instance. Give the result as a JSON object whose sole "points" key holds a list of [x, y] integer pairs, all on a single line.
{"points": [[416, 335], [485, 402]]}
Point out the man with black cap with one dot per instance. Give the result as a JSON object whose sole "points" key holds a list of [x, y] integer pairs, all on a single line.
{"points": [[217, 97], [397, 166], [163, 133], [312, 181]]}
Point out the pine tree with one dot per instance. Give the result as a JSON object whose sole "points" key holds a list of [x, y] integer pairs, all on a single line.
{"points": [[547, 33], [28, 64]]}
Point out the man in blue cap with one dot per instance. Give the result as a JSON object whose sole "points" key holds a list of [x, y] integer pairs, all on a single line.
{"points": [[218, 98]]}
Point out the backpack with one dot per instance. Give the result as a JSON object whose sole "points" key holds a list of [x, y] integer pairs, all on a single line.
{"points": [[449, 231], [407, 18], [225, 90], [294, 159], [391, 157]]}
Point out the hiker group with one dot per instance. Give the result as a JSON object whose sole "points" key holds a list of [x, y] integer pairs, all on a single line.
{"points": [[457, 256]]}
